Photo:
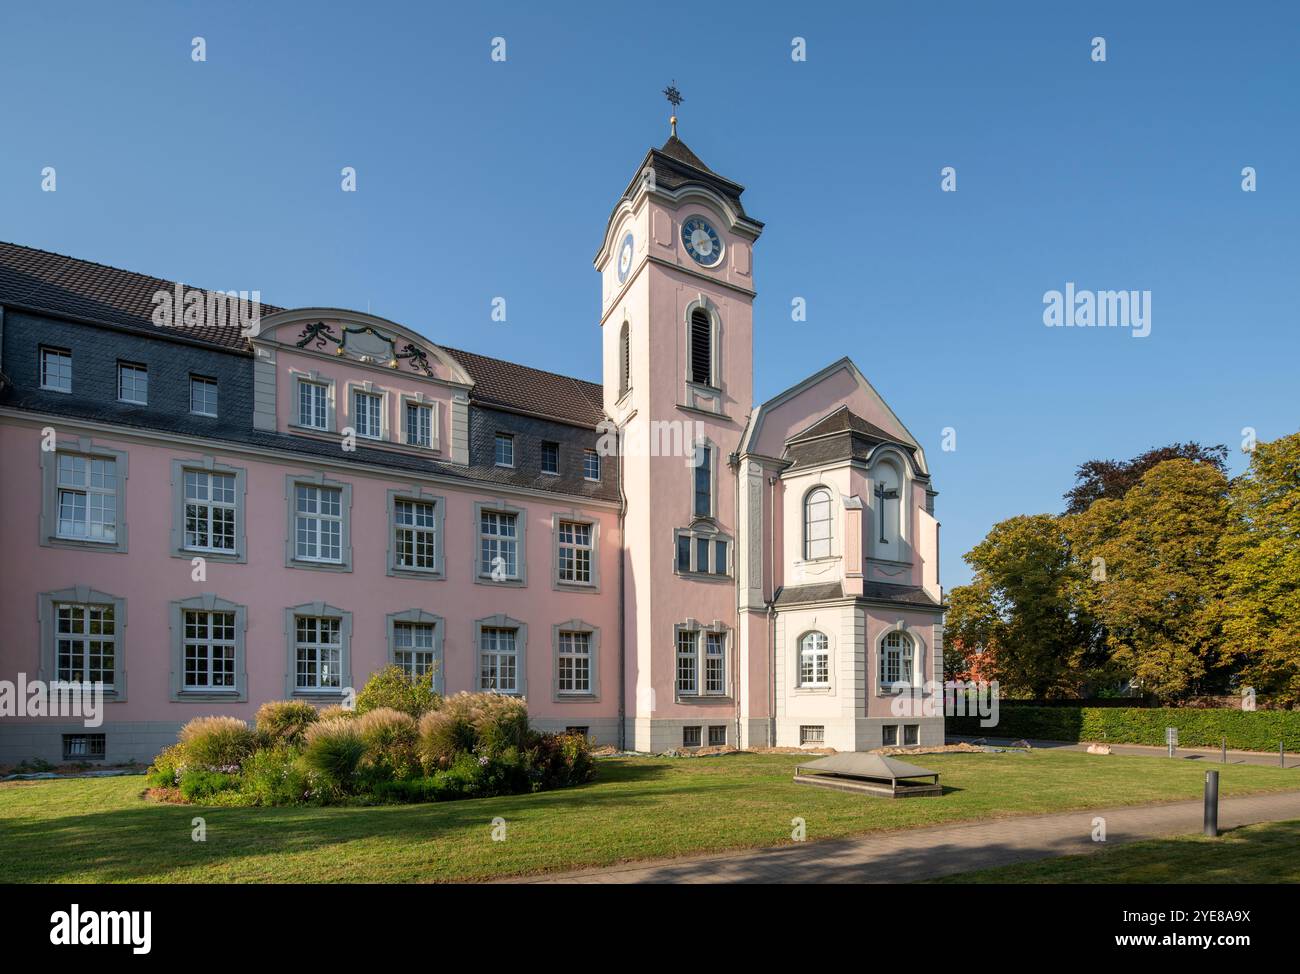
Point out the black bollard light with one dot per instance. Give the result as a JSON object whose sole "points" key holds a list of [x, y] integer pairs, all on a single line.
{"points": [[1212, 804], [1225, 752]]}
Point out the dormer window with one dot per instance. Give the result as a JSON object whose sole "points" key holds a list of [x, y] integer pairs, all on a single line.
{"points": [[817, 524], [701, 347], [367, 414], [313, 405]]}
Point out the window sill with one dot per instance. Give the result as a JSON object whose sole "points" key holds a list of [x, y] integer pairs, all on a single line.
{"points": [[703, 698], [197, 695], [815, 690], [702, 576], [318, 566], [402, 571], [562, 586], [232, 557], [503, 583]]}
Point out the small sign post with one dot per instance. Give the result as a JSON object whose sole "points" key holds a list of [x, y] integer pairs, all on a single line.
{"points": [[1171, 739], [1212, 804]]}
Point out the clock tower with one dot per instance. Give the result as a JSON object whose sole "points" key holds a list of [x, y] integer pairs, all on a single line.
{"points": [[677, 286]]}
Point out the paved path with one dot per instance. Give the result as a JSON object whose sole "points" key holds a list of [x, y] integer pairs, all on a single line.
{"points": [[905, 856], [1209, 755]]}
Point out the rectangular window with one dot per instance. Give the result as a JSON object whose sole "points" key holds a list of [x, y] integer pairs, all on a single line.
{"points": [[703, 481], [550, 457], [209, 511], [87, 498], [203, 396], [499, 545], [85, 643], [591, 465], [584, 731], [812, 734], [575, 553], [683, 552], [717, 735], [56, 370], [419, 425], [910, 734], [715, 662], [889, 735], [318, 646], [702, 547], [83, 747], [367, 414], [687, 662], [133, 384], [504, 455], [313, 405], [318, 527], [416, 528], [575, 662], [499, 660], [691, 736], [209, 650], [413, 647], [719, 557]]}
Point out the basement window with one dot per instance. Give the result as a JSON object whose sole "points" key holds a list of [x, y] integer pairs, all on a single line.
{"points": [[83, 747]]}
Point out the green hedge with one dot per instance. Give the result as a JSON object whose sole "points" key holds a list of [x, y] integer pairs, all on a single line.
{"points": [[1260, 730]]}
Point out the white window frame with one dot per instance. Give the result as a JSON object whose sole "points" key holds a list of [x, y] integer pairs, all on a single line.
{"points": [[427, 409], [56, 357], [211, 645], [368, 404], [496, 645], [491, 543], [88, 491], [568, 543], [319, 648], [318, 395], [207, 384], [709, 670], [588, 456], [814, 660], [80, 642], [135, 371], [556, 471], [574, 650], [423, 530], [810, 499], [414, 646], [498, 441], [209, 505], [319, 518], [902, 645]]}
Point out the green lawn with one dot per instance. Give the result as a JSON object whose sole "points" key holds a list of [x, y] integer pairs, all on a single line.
{"points": [[1267, 853], [101, 830]]}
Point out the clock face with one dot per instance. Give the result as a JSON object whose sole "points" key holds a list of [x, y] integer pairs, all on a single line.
{"points": [[625, 258], [702, 241]]}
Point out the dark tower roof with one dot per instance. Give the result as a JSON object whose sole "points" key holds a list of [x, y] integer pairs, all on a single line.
{"points": [[675, 166]]}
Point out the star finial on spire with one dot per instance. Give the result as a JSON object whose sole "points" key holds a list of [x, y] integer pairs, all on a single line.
{"points": [[674, 98]]}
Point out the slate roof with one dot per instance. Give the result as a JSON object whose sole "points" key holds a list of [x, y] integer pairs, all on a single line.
{"points": [[41, 281], [913, 595], [843, 435], [675, 165]]}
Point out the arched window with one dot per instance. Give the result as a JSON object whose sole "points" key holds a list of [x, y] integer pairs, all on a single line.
{"points": [[897, 660], [624, 360], [887, 492], [814, 660], [817, 524], [701, 347]]}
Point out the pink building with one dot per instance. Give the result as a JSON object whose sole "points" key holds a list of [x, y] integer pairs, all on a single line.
{"points": [[203, 516]]}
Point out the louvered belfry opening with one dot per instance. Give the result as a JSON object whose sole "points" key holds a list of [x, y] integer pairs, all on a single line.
{"points": [[701, 347], [624, 360]]}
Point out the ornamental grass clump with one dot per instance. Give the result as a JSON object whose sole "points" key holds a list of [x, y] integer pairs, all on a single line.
{"points": [[217, 743], [332, 750], [285, 721], [390, 738]]}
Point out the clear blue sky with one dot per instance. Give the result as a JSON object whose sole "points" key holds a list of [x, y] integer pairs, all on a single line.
{"points": [[479, 179]]}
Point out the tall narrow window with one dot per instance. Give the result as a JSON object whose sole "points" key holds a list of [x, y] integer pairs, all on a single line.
{"points": [[313, 411], [499, 545], [591, 465], [504, 446], [416, 528], [715, 662], [817, 524], [133, 384], [86, 643], [318, 646], [687, 660], [318, 527], [367, 414], [896, 660], [56, 370], [887, 495], [209, 511], [703, 480], [575, 662], [209, 650], [575, 552], [814, 660], [87, 498], [203, 396], [624, 360], [419, 424], [550, 457], [413, 647], [701, 347], [499, 660]]}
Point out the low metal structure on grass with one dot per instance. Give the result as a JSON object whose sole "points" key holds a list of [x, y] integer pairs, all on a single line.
{"points": [[869, 774]]}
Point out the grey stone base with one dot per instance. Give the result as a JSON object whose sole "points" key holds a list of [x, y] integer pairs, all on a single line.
{"points": [[857, 733], [600, 730], [124, 741]]}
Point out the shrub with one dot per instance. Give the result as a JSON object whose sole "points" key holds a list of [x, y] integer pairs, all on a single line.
{"points": [[274, 776], [390, 738], [333, 749], [335, 710], [199, 783], [444, 734], [560, 760], [217, 742], [392, 688], [167, 767], [1259, 730], [285, 721]]}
